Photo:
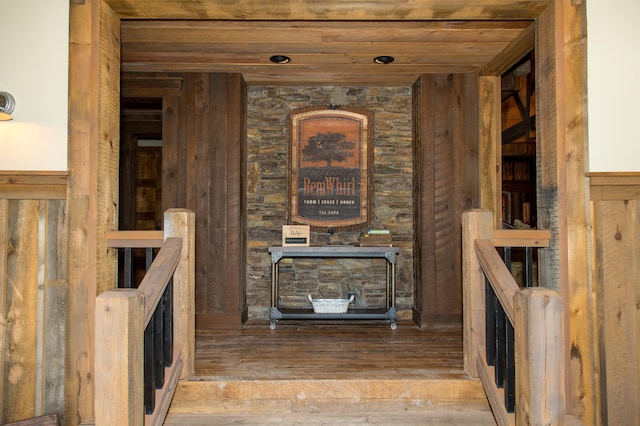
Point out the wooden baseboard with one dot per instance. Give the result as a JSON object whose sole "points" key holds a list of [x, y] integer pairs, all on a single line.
{"points": [[424, 320], [221, 321], [48, 420]]}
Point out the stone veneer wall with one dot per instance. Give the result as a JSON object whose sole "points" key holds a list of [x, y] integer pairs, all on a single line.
{"points": [[268, 145]]}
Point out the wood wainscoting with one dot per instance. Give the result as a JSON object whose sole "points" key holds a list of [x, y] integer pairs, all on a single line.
{"points": [[33, 282], [615, 212]]}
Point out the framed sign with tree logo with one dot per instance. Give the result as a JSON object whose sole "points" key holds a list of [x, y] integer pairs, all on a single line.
{"points": [[330, 161]]}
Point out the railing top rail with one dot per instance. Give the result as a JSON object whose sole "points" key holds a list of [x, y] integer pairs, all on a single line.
{"points": [[159, 274], [521, 237], [134, 239], [499, 276]]}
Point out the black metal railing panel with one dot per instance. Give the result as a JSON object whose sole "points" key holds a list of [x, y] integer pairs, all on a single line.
{"points": [[500, 345], [133, 262], [158, 343]]}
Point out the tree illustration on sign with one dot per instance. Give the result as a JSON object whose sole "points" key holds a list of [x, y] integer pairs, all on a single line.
{"points": [[328, 147]]}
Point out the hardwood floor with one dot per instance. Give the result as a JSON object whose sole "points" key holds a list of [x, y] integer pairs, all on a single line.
{"points": [[325, 350], [324, 373]]}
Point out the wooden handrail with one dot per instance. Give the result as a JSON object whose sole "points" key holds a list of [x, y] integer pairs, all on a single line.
{"points": [[521, 237], [494, 395], [134, 239], [535, 314], [121, 318], [157, 277], [501, 280]]}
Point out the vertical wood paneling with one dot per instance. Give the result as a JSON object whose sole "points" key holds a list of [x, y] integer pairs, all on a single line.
{"points": [[218, 195], [172, 152], [617, 276], [444, 298], [235, 141], [445, 163], [32, 307], [55, 302], [424, 178], [20, 363], [198, 165], [238, 110], [213, 161], [4, 230]]}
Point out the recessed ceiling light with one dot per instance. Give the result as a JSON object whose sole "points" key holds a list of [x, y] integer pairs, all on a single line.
{"points": [[280, 59], [383, 59]]}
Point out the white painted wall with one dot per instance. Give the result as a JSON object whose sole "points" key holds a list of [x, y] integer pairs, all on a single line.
{"points": [[34, 65], [34, 69], [613, 39]]}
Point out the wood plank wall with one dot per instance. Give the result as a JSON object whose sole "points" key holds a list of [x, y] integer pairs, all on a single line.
{"points": [[33, 281], [615, 210], [215, 182], [445, 109], [203, 156]]}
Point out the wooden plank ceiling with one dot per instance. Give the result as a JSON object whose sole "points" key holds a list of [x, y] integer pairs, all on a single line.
{"points": [[329, 42]]}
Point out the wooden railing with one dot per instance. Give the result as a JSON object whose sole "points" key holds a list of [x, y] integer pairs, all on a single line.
{"points": [[145, 336], [519, 353], [128, 243]]}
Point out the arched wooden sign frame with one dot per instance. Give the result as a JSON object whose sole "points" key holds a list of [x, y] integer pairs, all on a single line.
{"points": [[330, 163]]}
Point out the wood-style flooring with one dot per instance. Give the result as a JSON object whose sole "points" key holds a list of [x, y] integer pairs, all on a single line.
{"points": [[325, 350], [330, 373]]}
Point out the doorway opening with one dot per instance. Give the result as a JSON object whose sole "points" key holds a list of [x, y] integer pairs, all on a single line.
{"points": [[140, 187]]}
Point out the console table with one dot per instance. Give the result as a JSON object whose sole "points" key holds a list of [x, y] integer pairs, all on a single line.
{"points": [[387, 313]]}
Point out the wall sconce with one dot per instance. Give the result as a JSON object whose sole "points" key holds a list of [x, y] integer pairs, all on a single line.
{"points": [[7, 105]]}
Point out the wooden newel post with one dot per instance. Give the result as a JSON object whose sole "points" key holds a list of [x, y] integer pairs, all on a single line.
{"points": [[181, 223], [539, 357], [119, 381], [476, 224]]}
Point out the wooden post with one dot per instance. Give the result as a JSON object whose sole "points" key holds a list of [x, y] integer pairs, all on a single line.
{"points": [[181, 223], [490, 158], [539, 357], [119, 355], [476, 224], [92, 191], [561, 130]]}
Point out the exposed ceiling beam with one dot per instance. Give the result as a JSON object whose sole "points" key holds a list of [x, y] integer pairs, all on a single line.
{"points": [[365, 10]]}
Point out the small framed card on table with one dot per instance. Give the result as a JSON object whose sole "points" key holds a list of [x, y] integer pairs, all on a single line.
{"points": [[295, 235]]}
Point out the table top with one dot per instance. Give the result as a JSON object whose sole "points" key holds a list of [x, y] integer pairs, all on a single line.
{"points": [[333, 251]]}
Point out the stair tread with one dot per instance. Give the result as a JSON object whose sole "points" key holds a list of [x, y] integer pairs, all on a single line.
{"points": [[343, 396], [395, 417]]}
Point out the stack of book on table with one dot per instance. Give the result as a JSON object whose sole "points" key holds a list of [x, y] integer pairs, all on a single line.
{"points": [[376, 238]]}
